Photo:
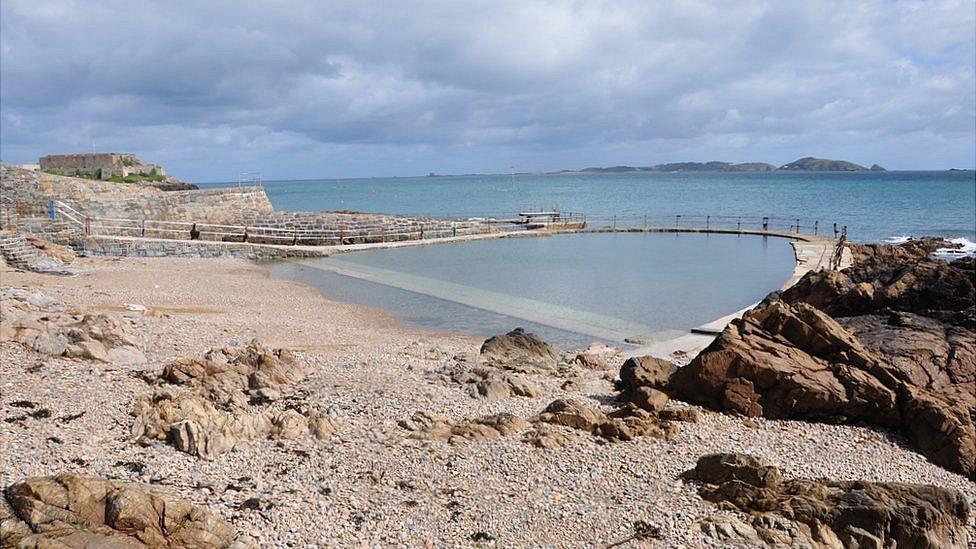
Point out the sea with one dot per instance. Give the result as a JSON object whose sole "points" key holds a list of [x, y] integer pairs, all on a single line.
{"points": [[875, 206], [611, 287]]}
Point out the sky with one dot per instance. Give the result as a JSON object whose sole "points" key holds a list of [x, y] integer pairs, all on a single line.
{"points": [[308, 89]]}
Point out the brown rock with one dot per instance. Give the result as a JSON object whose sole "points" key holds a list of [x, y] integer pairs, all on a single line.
{"points": [[489, 383], [426, 426], [520, 351], [646, 371], [899, 352], [689, 415], [70, 511], [823, 513], [236, 375], [210, 407], [596, 357], [648, 399], [624, 424]]}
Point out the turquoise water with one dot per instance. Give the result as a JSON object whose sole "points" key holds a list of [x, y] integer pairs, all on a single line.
{"points": [[573, 289], [874, 205]]}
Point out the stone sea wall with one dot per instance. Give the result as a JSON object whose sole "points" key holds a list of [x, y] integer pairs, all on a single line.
{"points": [[152, 247], [219, 215], [29, 192]]}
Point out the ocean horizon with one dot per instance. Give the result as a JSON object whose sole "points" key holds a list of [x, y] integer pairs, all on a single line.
{"points": [[875, 206]]}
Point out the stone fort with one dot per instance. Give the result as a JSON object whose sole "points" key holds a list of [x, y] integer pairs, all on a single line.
{"points": [[98, 165]]}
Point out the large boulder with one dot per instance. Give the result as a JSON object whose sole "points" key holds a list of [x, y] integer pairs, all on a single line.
{"points": [[70, 511], [883, 343], [822, 513], [520, 351]]}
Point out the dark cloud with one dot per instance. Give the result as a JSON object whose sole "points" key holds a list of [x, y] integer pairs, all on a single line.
{"points": [[304, 89]]}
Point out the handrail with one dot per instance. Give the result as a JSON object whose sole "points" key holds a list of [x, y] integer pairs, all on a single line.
{"points": [[418, 228]]}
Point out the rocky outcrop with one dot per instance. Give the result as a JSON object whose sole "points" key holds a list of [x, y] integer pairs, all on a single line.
{"points": [[889, 342], [914, 249], [237, 376], [822, 513], [70, 511], [48, 326], [206, 406], [428, 426]]}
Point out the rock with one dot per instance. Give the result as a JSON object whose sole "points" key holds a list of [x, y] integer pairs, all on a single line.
{"points": [[192, 423], [689, 415], [210, 408], [70, 511], [641, 381], [234, 376], [823, 513], [544, 436], [915, 249], [596, 357], [646, 371], [520, 351], [48, 326], [622, 425], [489, 383], [889, 342], [647, 398], [426, 426]]}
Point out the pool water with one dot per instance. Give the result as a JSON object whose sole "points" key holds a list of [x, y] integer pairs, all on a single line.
{"points": [[572, 289]]}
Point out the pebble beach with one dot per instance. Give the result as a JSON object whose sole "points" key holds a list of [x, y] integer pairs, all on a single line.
{"points": [[371, 484]]}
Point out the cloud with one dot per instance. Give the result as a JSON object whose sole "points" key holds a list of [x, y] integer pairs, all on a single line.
{"points": [[305, 89]]}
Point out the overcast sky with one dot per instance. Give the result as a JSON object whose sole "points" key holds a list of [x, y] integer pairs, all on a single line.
{"points": [[305, 89]]}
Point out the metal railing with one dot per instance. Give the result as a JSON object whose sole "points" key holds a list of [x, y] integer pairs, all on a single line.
{"points": [[737, 223], [420, 228]]}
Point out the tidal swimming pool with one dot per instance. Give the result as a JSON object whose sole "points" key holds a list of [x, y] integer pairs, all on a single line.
{"points": [[572, 289]]}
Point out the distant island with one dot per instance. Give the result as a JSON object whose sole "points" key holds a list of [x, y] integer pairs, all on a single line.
{"points": [[809, 164]]}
